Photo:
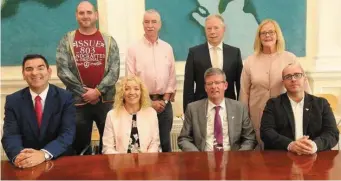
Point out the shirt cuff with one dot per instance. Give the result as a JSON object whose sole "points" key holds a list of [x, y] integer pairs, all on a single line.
{"points": [[99, 92], [314, 147], [13, 159], [288, 148], [170, 90], [50, 155]]}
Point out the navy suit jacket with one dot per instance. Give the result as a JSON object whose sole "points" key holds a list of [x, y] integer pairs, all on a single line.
{"points": [[58, 126], [198, 61], [278, 123]]}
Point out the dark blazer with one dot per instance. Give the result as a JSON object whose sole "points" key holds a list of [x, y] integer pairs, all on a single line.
{"points": [[198, 61], [278, 125], [58, 126]]}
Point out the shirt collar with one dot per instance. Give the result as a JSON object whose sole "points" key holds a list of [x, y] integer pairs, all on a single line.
{"points": [[211, 105], [147, 42], [292, 102], [42, 95], [220, 46]]}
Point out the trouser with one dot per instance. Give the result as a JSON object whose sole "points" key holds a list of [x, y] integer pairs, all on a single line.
{"points": [[165, 126], [85, 115]]}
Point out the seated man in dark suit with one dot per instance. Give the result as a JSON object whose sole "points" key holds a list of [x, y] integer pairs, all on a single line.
{"points": [[39, 121], [216, 123], [297, 121]]}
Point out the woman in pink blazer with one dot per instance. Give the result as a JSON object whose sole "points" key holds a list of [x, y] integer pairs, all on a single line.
{"points": [[132, 125]]}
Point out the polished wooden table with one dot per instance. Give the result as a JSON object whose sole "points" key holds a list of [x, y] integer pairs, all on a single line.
{"points": [[185, 166]]}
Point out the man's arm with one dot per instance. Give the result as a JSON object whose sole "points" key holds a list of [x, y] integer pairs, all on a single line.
{"points": [[171, 86], [11, 139], [248, 135], [268, 132], [329, 136], [185, 139], [188, 94], [111, 77], [63, 71], [238, 72], [67, 130]]}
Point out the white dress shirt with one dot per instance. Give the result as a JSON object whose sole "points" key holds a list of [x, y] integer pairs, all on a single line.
{"points": [[297, 109], [220, 54], [210, 126]]}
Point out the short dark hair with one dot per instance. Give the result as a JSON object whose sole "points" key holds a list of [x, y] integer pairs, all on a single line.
{"points": [[33, 56]]}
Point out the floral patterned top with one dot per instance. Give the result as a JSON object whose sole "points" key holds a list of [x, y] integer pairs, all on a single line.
{"points": [[134, 141]]}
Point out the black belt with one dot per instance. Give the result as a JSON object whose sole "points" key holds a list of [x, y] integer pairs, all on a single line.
{"points": [[156, 97]]}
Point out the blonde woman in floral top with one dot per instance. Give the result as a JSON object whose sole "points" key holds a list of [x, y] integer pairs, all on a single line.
{"points": [[132, 126]]}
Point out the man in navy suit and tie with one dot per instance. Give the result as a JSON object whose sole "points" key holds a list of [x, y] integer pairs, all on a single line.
{"points": [[39, 121]]}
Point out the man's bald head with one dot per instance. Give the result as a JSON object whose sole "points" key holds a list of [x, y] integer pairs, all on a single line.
{"points": [[83, 4]]}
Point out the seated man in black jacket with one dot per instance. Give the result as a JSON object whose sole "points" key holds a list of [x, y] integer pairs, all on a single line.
{"points": [[297, 121]]}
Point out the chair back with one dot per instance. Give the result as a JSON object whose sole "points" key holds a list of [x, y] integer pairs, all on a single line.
{"points": [[332, 99]]}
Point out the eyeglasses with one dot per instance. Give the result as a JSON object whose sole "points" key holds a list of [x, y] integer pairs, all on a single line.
{"points": [[264, 33], [295, 75], [214, 82]]}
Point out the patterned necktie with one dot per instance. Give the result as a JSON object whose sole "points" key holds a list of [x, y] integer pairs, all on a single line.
{"points": [[39, 109], [218, 131], [215, 61]]}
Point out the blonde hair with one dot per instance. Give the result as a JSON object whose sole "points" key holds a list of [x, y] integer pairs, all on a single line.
{"points": [[120, 88], [280, 43]]}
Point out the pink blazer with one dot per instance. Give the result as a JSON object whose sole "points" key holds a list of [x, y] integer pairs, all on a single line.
{"points": [[118, 127]]}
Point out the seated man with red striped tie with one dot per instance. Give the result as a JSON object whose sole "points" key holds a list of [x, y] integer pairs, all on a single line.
{"points": [[39, 121], [216, 123]]}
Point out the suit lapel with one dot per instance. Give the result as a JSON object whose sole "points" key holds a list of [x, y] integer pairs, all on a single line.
{"points": [[226, 62], [206, 56], [306, 112], [230, 120], [202, 115], [287, 107], [49, 107], [29, 112], [127, 125]]}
